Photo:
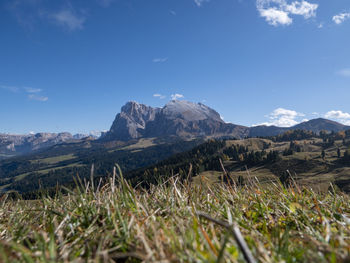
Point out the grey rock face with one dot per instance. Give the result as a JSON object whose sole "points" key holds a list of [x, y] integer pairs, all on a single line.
{"points": [[131, 122], [189, 111], [179, 118]]}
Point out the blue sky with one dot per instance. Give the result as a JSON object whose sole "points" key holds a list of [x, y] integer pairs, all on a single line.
{"points": [[70, 65]]}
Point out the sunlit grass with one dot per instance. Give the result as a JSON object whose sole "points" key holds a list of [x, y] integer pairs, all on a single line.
{"points": [[116, 223]]}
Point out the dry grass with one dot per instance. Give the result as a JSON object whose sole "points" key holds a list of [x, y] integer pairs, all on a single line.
{"points": [[116, 223]]}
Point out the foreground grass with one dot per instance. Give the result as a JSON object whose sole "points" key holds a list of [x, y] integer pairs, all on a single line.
{"points": [[166, 224]]}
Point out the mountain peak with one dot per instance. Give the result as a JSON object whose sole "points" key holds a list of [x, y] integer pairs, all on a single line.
{"points": [[316, 125], [130, 122], [177, 117], [190, 111]]}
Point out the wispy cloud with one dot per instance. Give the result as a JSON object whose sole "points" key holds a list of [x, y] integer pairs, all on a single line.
{"points": [[69, 19], [340, 18], [25, 12], [344, 72], [37, 97], [200, 2], [176, 96], [160, 96], [32, 90], [31, 12], [159, 60], [10, 88], [173, 12], [338, 115], [278, 12], [35, 94], [31, 93], [283, 118]]}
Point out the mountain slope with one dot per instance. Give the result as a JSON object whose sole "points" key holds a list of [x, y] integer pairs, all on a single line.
{"points": [[262, 130], [317, 125], [60, 163]]}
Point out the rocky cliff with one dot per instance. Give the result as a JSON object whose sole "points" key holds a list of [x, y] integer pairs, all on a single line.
{"points": [[176, 118]]}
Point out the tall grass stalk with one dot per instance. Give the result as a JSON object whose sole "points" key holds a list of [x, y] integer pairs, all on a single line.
{"points": [[117, 223]]}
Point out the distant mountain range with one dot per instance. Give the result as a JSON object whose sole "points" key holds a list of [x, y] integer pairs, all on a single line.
{"points": [[315, 125], [11, 144], [21, 144], [182, 119]]}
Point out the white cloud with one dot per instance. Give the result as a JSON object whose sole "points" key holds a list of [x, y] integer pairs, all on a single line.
{"points": [[159, 60], [176, 96], [338, 115], [97, 133], [283, 118], [32, 90], [200, 2], [344, 72], [37, 97], [173, 12], [275, 17], [304, 8], [340, 18], [278, 12], [160, 96], [69, 19]]}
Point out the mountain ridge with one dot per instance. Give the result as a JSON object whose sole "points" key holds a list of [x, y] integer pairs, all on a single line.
{"points": [[179, 118], [188, 119]]}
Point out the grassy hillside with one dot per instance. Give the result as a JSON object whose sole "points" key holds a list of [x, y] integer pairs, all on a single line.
{"points": [[178, 222], [60, 163], [314, 160]]}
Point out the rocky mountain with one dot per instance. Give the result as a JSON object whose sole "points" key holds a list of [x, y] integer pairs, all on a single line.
{"points": [[187, 120], [177, 118], [20, 144], [131, 122]]}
